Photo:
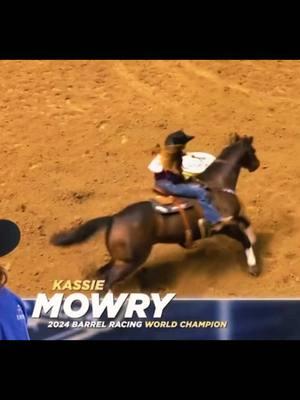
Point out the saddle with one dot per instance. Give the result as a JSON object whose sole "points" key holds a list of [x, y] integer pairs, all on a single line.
{"points": [[166, 204]]}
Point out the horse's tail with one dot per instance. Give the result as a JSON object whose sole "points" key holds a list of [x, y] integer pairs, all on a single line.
{"points": [[81, 233]]}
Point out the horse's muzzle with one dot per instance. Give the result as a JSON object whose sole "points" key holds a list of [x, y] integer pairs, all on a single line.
{"points": [[254, 166]]}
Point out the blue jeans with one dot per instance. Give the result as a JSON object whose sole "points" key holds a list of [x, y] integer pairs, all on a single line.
{"points": [[193, 191]]}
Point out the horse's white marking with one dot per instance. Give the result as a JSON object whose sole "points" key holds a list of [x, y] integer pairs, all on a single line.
{"points": [[251, 260], [251, 235]]}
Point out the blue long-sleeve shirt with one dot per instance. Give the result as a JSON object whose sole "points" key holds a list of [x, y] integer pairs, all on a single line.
{"points": [[169, 176], [13, 318]]}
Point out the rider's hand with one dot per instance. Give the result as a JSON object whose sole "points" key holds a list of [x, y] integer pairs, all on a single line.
{"points": [[192, 179]]}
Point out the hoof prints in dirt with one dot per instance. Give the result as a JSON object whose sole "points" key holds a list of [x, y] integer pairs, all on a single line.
{"points": [[77, 196]]}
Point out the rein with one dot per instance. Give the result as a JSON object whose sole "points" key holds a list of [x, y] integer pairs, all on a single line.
{"points": [[216, 160], [219, 160], [226, 190]]}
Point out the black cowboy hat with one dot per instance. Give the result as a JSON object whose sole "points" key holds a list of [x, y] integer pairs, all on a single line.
{"points": [[178, 138], [10, 236]]}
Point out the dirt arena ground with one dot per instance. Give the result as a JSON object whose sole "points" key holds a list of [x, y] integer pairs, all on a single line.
{"points": [[76, 139]]}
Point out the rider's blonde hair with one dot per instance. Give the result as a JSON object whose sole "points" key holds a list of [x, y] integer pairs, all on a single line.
{"points": [[171, 158]]}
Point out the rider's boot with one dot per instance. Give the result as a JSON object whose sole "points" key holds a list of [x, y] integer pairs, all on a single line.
{"points": [[206, 227], [221, 223]]}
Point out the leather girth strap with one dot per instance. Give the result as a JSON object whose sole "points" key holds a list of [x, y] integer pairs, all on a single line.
{"points": [[187, 227]]}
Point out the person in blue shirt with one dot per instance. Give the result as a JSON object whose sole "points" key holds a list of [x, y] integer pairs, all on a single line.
{"points": [[13, 318]]}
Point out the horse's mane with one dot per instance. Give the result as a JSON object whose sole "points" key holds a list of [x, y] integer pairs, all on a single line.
{"points": [[235, 140], [228, 149]]}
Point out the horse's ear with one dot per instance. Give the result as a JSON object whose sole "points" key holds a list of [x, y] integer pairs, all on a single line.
{"points": [[234, 137], [248, 139]]}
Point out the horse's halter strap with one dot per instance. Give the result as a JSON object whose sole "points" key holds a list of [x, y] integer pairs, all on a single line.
{"points": [[227, 190]]}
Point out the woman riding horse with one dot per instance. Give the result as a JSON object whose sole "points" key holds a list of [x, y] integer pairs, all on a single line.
{"points": [[131, 233], [167, 168]]}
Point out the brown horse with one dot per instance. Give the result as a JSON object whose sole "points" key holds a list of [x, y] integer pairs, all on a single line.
{"points": [[131, 233]]}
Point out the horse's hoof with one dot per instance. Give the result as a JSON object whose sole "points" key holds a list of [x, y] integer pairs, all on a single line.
{"points": [[254, 270]]}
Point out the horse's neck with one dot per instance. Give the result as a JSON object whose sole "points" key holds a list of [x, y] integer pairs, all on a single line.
{"points": [[231, 176], [224, 171]]}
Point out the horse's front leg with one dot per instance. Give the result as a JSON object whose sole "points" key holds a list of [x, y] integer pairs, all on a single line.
{"points": [[245, 224], [235, 232]]}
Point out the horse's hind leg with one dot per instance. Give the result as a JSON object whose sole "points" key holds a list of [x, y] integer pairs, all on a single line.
{"points": [[235, 232], [103, 271], [117, 272]]}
